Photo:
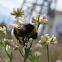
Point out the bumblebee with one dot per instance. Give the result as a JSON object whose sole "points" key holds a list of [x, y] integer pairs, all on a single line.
{"points": [[24, 30]]}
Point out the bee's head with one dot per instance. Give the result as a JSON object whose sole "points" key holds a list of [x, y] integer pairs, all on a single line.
{"points": [[13, 26]]}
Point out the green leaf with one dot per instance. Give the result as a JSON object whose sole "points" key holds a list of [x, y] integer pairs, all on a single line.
{"points": [[37, 57], [34, 58], [20, 50], [30, 59]]}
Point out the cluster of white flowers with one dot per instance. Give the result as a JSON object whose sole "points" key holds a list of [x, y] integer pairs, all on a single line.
{"points": [[10, 43], [18, 12], [37, 48], [3, 30], [41, 21], [47, 40], [6, 43]]}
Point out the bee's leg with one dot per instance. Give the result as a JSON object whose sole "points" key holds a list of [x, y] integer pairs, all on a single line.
{"points": [[23, 40], [18, 39], [28, 38]]}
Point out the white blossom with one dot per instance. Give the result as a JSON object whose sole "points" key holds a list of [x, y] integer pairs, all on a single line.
{"points": [[38, 46], [55, 42], [43, 38], [48, 42], [7, 47], [46, 39], [41, 21], [46, 36], [37, 53], [3, 30], [39, 41]]}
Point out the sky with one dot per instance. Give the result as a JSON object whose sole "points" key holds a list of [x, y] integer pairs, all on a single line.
{"points": [[6, 7]]}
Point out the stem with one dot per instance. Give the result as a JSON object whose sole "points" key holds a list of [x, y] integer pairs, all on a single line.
{"points": [[38, 25], [24, 60], [10, 60], [25, 56], [48, 53], [38, 21]]}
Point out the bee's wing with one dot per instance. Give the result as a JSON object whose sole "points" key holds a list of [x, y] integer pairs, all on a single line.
{"points": [[23, 21], [13, 25], [21, 27]]}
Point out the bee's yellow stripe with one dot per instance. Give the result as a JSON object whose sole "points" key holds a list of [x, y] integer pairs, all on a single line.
{"points": [[33, 31], [17, 30]]}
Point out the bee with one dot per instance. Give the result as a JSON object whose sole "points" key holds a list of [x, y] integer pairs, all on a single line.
{"points": [[22, 30]]}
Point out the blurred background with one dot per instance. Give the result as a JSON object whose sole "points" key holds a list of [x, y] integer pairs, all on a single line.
{"points": [[50, 8]]}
